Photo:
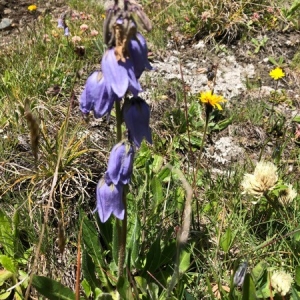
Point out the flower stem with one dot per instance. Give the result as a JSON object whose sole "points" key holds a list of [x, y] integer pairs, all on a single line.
{"points": [[208, 111], [119, 121], [121, 225]]}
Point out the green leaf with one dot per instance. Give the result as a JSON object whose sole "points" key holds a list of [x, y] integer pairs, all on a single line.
{"points": [[264, 290], [115, 242], [88, 270], [248, 288], [8, 264], [296, 235], [157, 163], [141, 284], [164, 175], [4, 275], [153, 290], [157, 191], [153, 259], [296, 119], [6, 234], [124, 289], [134, 244], [223, 124], [295, 294], [297, 275], [259, 271], [86, 287], [226, 240], [52, 289], [91, 243], [185, 259], [4, 295]]}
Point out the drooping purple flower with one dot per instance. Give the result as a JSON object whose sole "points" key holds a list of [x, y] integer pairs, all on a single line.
{"points": [[139, 54], [97, 96], [120, 163], [136, 115], [66, 31], [109, 201], [60, 23], [119, 74]]}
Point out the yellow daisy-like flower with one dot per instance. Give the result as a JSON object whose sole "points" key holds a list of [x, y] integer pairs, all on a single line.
{"points": [[212, 99], [32, 7], [277, 73]]}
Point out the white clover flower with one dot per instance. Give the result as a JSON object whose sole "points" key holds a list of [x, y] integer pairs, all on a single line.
{"points": [[263, 180], [287, 196], [281, 282]]}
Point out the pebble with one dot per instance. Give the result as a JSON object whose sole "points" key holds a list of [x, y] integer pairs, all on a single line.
{"points": [[7, 11], [5, 23]]}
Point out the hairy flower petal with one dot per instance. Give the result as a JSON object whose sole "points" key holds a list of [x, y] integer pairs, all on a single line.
{"points": [[115, 73], [109, 201], [263, 180], [281, 282], [120, 163], [97, 96], [136, 114], [139, 54], [119, 74]]}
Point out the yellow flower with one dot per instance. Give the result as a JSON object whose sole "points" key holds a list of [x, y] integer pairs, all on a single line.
{"points": [[263, 180], [212, 99], [277, 73], [32, 7]]}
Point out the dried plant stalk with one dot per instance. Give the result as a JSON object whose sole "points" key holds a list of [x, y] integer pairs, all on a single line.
{"points": [[34, 129]]}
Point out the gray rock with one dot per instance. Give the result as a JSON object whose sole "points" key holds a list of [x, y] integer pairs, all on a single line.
{"points": [[5, 23]]}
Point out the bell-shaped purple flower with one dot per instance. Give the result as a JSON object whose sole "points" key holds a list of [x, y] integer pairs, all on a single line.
{"points": [[109, 201], [136, 115], [119, 74], [97, 96], [60, 23], [139, 54], [120, 163]]}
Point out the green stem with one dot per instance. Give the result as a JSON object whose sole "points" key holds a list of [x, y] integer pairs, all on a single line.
{"points": [[208, 111], [122, 237], [121, 225], [119, 120]]}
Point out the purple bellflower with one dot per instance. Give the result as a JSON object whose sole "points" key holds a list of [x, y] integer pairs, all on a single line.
{"points": [[119, 74], [97, 96], [120, 163], [139, 54], [109, 201], [136, 115], [66, 31], [60, 23]]}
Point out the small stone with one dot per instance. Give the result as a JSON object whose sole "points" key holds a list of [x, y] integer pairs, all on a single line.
{"points": [[5, 23], [7, 11], [200, 45], [288, 43]]}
